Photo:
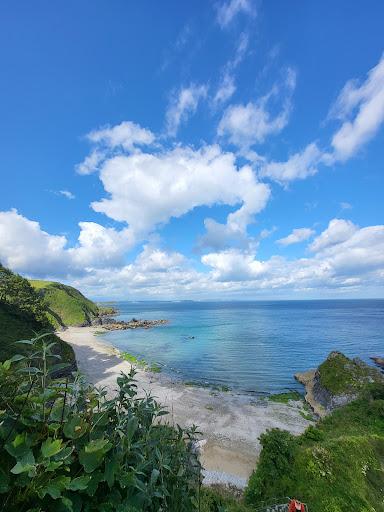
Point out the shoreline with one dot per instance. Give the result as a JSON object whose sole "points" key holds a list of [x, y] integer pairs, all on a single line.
{"points": [[231, 423]]}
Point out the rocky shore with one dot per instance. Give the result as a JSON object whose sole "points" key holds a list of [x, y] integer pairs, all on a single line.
{"points": [[111, 324]]}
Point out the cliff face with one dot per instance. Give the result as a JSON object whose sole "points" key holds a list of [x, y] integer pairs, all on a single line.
{"points": [[336, 382]]}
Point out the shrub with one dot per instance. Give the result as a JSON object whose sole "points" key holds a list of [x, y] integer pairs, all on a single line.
{"points": [[274, 465], [66, 446]]}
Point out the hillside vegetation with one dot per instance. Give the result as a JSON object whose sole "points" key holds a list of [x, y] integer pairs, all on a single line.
{"points": [[65, 305], [22, 315], [338, 465]]}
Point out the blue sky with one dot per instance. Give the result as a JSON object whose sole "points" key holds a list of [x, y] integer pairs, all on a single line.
{"points": [[172, 150]]}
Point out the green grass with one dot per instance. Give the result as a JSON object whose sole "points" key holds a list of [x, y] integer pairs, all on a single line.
{"points": [[65, 305], [141, 363], [341, 375], [14, 327], [336, 466], [284, 398]]}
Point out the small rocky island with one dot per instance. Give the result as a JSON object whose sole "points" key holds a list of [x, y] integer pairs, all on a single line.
{"points": [[336, 382], [111, 324]]}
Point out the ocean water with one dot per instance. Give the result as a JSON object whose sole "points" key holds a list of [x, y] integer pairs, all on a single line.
{"points": [[251, 346]]}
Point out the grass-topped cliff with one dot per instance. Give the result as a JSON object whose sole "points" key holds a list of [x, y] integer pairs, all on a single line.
{"points": [[22, 315], [335, 466], [65, 305]]}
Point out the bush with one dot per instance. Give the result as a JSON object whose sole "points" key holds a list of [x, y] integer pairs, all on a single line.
{"points": [[274, 465], [67, 447]]}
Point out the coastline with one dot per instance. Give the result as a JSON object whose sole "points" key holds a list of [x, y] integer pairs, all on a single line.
{"points": [[230, 423]]}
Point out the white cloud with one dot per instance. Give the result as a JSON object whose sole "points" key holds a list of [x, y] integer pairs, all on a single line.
{"points": [[346, 257], [337, 231], [145, 190], [345, 206], [227, 85], [226, 89], [361, 108], [298, 235], [26, 247], [227, 11], [67, 194], [183, 104], [91, 162], [298, 166], [126, 135], [246, 125]]}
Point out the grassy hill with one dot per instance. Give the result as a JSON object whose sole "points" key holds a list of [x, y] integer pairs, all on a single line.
{"points": [[337, 465], [65, 305]]}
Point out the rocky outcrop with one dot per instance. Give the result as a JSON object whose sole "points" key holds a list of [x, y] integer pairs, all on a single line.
{"points": [[111, 324], [336, 382], [379, 361]]}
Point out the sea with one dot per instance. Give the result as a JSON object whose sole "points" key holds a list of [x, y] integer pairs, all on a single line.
{"points": [[252, 347]]}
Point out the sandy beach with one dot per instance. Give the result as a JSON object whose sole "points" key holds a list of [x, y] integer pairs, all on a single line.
{"points": [[230, 423]]}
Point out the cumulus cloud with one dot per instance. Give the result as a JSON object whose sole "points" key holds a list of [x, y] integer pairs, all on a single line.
{"points": [[26, 247], [298, 166], [346, 256], [145, 190], [90, 163], [298, 235], [249, 124], [228, 10], [126, 135], [361, 108], [337, 231], [183, 104]]}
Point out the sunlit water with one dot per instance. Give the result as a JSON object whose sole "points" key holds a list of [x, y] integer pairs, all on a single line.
{"points": [[251, 346]]}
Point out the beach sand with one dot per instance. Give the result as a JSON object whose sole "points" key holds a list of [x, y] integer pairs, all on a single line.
{"points": [[230, 423]]}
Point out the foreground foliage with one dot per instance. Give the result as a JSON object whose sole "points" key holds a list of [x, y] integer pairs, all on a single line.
{"points": [[66, 447], [336, 466]]}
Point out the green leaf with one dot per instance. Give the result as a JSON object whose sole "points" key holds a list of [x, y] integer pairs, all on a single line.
{"points": [[20, 446], [55, 487], [17, 357], [50, 447], [79, 484], [56, 367], [25, 464], [131, 427], [154, 476], [25, 342], [111, 466], [75, 428], [92, 455]]}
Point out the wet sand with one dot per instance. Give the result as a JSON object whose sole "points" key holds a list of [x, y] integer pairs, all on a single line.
{"points": [[230, 423]]}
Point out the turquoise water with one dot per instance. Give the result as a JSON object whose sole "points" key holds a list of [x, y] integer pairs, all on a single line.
{"points": [[251, 346]]}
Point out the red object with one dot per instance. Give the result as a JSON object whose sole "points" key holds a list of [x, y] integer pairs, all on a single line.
{"points": [[296, 506]]}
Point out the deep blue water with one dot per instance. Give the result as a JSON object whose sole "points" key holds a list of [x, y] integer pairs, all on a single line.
{"points": [[251, 346]]}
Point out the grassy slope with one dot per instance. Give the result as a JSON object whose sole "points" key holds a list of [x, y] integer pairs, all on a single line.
{"points": [[340, 375], [66, 305], [14, 327], [337, 466]]}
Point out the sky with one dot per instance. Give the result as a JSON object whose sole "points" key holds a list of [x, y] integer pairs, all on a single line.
{"points": [[223, 149]]}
